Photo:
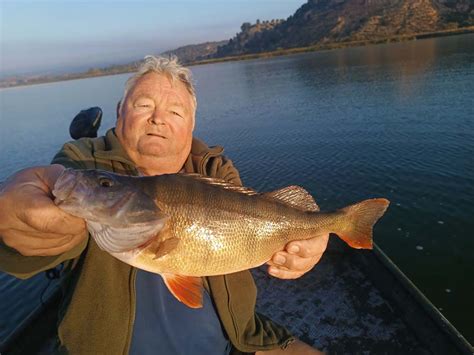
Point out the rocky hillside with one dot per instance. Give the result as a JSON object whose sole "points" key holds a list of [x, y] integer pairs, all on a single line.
{"points": [[249, 35], [327, 21]]}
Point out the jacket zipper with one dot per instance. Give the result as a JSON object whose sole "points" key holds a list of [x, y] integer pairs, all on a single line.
{"points": [[133, 277]]}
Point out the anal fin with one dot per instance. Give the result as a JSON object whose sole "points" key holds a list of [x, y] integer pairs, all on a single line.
{"points": [[187, 289]]}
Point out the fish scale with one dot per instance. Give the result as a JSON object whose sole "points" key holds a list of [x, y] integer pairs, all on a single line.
{"points": [[246, 237]]}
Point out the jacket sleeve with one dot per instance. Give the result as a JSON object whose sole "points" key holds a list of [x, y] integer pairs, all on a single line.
{"points": [[72, 157], [23, 267]]}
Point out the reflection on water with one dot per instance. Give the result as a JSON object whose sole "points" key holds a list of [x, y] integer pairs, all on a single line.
{"points": [[404, 63], [390, 120]]}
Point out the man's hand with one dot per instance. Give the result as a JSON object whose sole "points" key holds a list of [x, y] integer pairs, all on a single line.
{"points": [[298, 257], [30, 222]]}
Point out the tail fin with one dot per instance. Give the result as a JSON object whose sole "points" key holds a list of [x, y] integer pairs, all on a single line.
{"points": [[359, 221]]}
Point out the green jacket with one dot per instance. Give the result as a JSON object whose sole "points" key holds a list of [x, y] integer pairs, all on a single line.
{"points": [[98, 314]]}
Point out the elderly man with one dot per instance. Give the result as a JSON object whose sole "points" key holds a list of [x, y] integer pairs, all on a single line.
{"points": [[110, 307]]}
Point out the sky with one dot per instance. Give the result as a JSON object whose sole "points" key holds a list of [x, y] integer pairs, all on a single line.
{"points": [[51, 36]]}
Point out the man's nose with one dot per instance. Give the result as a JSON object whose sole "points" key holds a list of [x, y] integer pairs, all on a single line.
{"points": [[157, 117]]}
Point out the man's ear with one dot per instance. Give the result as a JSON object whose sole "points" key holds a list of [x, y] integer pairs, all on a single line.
{"points": [[119, 104], [194, 122]]}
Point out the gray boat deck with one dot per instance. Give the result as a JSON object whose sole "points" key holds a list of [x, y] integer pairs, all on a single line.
{"points": [[358, 301], [337, 308]]}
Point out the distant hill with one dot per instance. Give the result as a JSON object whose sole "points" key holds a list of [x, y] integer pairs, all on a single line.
{"points": [[186, 54], [194, 52], [329, 21]]}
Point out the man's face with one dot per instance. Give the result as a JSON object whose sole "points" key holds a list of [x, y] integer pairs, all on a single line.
{"points": [[156, 120]]}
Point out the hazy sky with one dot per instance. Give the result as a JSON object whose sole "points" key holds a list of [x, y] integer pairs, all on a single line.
{"points": [[50, 35]]}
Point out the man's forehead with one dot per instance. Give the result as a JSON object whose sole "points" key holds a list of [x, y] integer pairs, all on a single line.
{"points": [[160, 84]]}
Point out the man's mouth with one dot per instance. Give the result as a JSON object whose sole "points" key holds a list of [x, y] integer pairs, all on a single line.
{"points": [[156, 135]]}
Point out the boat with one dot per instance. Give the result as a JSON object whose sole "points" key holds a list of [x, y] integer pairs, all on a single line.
{"points": [[353, 301]]}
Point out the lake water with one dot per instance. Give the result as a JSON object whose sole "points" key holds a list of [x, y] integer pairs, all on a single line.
{"points": [[394, 121]]}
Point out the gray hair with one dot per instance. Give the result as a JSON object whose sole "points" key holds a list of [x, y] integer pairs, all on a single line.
{"points": [[161, 65]]}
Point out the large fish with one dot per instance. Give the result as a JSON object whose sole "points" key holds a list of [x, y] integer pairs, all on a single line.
{"points": [[184, 226]]}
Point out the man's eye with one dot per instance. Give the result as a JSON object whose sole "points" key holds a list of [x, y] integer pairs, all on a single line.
{"points": [[176, 113], [143, 104]]}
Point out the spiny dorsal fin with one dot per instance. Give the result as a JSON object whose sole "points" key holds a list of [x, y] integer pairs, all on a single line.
{"points": [[294, 196], [221, 183]]}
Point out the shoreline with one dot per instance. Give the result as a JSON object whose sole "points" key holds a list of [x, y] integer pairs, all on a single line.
{"points": [[277, 53]]}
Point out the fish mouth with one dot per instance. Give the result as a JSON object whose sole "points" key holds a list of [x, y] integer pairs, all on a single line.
{"points": [[64, 187]]}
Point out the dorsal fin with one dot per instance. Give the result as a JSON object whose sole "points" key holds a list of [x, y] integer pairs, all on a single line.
{"points": [[294, 196], [221, 183]]}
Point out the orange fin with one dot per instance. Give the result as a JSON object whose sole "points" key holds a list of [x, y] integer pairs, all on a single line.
{"points": [[187, 289], [361, 219]]}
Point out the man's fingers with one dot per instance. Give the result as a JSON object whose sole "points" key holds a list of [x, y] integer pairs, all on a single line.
{"points": [[294, 262], [38, 245], [49, 174], [44, 216], [58, 221], [283, 273], [29, 193], [30, 222], [40, 235], [60, 249], [309, 247], [42, 177]]}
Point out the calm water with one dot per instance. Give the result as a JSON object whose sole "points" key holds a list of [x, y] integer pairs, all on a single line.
{"points": [[391, 120]]}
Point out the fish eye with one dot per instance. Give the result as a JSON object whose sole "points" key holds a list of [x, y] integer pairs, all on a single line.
{"points": [[105, 182]]}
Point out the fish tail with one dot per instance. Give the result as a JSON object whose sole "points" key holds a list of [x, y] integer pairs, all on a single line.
{"points": [[358, 221]]}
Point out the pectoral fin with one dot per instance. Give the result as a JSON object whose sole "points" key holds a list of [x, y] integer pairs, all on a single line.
{"points": [[166, 246], [187, 289]]}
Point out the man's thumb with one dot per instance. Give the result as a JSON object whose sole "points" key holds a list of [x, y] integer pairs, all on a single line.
{"points": [[49, 174]]}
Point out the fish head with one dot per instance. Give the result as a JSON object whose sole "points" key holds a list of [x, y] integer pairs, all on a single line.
{"points": [[104, 197]]}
